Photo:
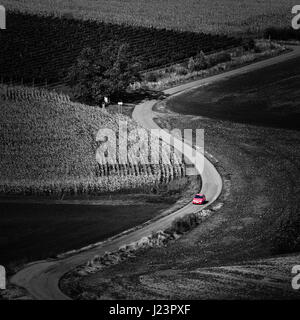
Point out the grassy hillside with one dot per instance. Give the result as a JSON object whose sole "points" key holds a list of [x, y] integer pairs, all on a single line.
{"points": [[48, 146], [229, 16]]}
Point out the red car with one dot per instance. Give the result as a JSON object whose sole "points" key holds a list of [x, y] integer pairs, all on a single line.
{"points": [[199, 199]]}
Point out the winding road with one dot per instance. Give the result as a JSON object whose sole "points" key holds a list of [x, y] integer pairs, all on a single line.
{"points": [[41, 279]]}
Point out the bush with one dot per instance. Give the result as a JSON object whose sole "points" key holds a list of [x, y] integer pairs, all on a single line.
{"points": [[184, 224], [261, 46], [201, 61], [171, 69], [191, 64], [151, 77], [266, 45], [182, 71], [248, 44], [219, 58]]}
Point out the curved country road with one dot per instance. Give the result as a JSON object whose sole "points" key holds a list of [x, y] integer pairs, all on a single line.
{"points": [[41, 279]]}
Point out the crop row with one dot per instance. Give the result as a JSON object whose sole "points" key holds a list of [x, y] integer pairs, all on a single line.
{"points": [[41, 49], [210, 16], [48, 146], [21, 93]]}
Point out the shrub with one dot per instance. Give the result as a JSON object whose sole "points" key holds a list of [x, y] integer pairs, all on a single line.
{"points": [[171, 69], [218, 58], [201, 61], [265, 45], [248, 44], [151, 77], [180, 70], [184, 224], [191, 64]]}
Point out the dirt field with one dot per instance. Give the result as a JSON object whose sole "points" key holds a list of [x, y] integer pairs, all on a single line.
{"points": [[34, 231], [255, 98], [226, 16], [39, 228], [263, 166]]}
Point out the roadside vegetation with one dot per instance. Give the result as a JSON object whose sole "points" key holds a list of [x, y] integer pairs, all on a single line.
{"points": [[203, 65], [212, 16], [286, 34]]}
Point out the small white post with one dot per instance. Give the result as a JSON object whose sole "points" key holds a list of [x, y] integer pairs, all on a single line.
{"points": [[2, 18], [2, 278], [120, 104]]}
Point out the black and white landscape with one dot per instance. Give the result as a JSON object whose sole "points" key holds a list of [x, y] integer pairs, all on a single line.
{"points": [[98, 175]]}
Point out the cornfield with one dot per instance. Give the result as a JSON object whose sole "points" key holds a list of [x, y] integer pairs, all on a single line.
{"points": [[210, 16], [20, 93], [48, 146], [43, 58]]}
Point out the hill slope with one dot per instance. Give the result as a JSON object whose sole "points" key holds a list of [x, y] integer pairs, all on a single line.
{"points": [[48, 146]]}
